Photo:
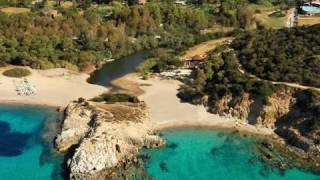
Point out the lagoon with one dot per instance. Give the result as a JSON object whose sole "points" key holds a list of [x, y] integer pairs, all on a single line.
{"points": [[118, 68]]}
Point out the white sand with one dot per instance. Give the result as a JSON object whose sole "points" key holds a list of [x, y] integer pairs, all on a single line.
{"points": [[166, 110], [55, 87]]}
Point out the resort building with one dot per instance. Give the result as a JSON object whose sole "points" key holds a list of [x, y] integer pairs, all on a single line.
{"points": [[194, 61]]}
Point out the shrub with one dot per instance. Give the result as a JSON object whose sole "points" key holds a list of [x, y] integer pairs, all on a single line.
{"points": [[112, 98], [17, 72], [146, 67]]}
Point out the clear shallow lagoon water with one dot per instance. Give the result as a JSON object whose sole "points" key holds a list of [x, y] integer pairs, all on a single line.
{"points": [[207, 154], [23, 153]]}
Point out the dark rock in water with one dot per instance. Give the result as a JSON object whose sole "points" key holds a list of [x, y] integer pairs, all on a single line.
{"points": [[213, 151], [220, 134], [296, 139], [163, 167], [12, 143], [264, 172], [172, 146]]}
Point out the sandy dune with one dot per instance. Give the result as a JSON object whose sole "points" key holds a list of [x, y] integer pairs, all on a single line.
{"points": [[56, 87]]}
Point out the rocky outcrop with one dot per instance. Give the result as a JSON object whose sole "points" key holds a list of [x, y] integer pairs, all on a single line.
{"points": [[107, 135], [298, 144], [254, 111], [280, 113], [235, 106], [297, 140], [278, 106], [75, 126]]}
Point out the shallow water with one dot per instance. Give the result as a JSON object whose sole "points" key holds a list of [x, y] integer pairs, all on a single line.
{"points": [[22, 150], [207, 154]]}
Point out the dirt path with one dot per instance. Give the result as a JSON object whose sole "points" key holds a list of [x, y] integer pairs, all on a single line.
{"points": [[293, 85], [204, 48]]}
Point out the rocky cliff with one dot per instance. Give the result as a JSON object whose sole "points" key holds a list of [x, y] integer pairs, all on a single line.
{"points": [[253, 110], [281, 113], [104, 137]]}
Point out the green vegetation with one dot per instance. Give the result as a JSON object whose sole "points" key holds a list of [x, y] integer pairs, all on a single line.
{"points": [[278, 55], [83, 35], [220, 77], [160, 60], [17, 72], [75, 39], [289, 55], [112, 98], [16, 3]]}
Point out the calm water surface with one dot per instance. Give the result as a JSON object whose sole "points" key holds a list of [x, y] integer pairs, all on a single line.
{"points": [[24, 154], [118, 68], [207, 154]]}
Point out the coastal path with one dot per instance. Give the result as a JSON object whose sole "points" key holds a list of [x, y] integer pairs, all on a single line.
{"points": [[293, 85]]}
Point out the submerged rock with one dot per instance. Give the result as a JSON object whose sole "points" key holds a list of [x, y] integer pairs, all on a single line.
{"points": [[163, 167], [172, 146], [107, 137], [213, 151]]}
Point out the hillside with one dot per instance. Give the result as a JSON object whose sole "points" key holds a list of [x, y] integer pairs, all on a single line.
{"points": [[292, 112], [84, 34], [289, 55]]}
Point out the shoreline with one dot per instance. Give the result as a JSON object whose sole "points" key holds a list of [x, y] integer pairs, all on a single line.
{"points": [[239, 129], [30, 103], [161, 122], [166, 111]]}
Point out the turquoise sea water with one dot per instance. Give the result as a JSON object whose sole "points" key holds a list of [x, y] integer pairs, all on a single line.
{"points": [[22, 150], [207, 154]]}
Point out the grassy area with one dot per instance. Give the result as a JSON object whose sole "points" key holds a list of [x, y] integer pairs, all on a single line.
{"points": [[269, 16], [15, 10], [270, 20], [17, 72]]}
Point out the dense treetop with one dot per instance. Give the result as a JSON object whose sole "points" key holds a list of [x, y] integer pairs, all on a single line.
{"points": [[90, 31], [290, 55]]}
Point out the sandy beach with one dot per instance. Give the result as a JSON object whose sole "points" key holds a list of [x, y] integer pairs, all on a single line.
{"points": [[167, 111], [58, 87], [55, 87]]}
